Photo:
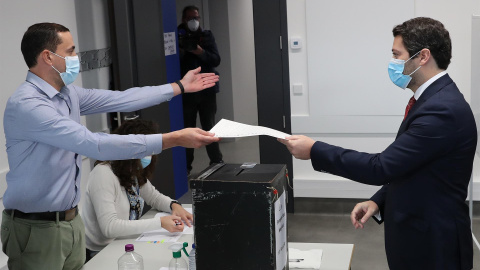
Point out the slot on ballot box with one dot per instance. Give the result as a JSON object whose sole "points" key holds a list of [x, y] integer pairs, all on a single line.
{"points": [[240, 217]]}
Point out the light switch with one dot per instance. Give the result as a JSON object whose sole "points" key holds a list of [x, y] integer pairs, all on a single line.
{"points": [[295, 43], [297, 89]]}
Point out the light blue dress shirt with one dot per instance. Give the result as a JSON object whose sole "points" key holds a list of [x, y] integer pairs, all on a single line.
{"points": [[44, 139]]}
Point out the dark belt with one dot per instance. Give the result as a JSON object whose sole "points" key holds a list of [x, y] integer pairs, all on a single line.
{"points": [[48, 216]]}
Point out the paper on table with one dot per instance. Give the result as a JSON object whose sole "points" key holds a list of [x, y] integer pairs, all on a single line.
{"points": [[307, 259], [159, 237], [230, 129], [163, 235]]}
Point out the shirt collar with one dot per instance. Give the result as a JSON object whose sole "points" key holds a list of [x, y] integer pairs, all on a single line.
{"points": [[43, 86], [424, 86]]}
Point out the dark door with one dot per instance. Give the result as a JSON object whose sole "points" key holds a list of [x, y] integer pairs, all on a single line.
{"points": [[137, 29], [273, 86]]}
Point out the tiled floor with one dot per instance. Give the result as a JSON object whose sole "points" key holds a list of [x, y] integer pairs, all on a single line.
{"points": [[317, 224]]}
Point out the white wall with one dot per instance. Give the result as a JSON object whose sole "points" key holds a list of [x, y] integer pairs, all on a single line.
{"points": [[219, 24], [340, 71], [243, 61]]}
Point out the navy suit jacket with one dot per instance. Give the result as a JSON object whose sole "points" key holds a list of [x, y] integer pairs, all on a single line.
{"points": [[425, 174]]}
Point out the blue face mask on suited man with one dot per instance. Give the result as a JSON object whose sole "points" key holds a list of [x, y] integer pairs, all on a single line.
{"points": [[395, 71], [72, 64], [146, 161]]}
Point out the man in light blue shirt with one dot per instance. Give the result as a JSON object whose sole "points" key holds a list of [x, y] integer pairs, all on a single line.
{"points": [[44, 140]]}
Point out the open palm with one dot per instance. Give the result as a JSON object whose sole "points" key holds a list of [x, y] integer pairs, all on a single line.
{"points": [[195, 81]]}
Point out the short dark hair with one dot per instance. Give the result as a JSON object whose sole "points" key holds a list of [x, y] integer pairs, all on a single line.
{"points": [[426, 33], [187, 9], [128, 170], [39, 37]]}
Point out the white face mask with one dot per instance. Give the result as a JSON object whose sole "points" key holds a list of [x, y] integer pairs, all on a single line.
{"points": [[193, 25]]}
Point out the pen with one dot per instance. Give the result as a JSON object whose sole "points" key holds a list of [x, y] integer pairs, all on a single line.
{"points": [[295, 260]]}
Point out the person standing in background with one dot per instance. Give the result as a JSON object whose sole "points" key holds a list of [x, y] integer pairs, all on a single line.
{"points": [[198, 49]]}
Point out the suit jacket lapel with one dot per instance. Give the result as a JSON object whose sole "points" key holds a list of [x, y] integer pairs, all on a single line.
{"points": [[431, 90]]}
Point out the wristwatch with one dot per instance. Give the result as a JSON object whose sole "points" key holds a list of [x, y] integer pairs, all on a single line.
{"points": [[173, 203]]}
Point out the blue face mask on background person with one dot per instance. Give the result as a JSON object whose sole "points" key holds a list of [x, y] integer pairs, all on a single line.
{"points": [[395, 71], [72, 64], [146, 161]]}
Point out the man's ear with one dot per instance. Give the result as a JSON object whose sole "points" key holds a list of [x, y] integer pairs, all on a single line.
{"points": [[46, 57], [425, 56]]}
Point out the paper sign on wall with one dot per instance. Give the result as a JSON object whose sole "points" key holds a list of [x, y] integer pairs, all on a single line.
{"points": [[170, 43]]}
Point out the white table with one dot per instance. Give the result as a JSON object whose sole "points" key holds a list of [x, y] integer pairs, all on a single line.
{"points": [[335, 256]]}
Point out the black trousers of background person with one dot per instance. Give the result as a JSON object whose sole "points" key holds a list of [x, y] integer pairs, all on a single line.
{"points": [[205, 104]]}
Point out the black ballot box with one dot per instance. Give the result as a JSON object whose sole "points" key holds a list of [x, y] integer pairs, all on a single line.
{"points": [[240, 217]]}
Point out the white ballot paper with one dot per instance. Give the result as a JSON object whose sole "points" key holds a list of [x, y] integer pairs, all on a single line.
{"points": [[230, 129]]}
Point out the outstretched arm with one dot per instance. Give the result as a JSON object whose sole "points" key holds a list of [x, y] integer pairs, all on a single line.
{"points": [[299, 146], [188, 137], [195, 81]]}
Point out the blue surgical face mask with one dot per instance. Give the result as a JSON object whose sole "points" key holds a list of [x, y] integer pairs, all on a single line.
{"points": [[146, 161], [395, 71], [72, 69]]}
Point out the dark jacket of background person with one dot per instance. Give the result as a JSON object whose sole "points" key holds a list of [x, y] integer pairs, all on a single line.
{"points": [[211, 56]]}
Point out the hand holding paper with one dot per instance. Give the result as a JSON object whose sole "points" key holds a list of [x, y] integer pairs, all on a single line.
{"points": [[230, 129], [299, 146]]}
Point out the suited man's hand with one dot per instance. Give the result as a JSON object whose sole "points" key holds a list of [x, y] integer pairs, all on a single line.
{"points": [[362, 212], [298, 145]]}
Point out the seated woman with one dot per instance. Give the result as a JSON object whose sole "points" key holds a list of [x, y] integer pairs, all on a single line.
{"points": [[115, 195]]}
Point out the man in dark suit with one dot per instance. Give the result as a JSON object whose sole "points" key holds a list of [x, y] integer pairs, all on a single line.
{"points": [[425, 172]]}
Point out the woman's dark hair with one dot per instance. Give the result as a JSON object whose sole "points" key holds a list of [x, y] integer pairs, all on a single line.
{"points": [[128, 170], [426, 33], [39, 37]]}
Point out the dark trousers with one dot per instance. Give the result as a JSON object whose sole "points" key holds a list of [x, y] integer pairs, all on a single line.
{"points": [[205, 104]]}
